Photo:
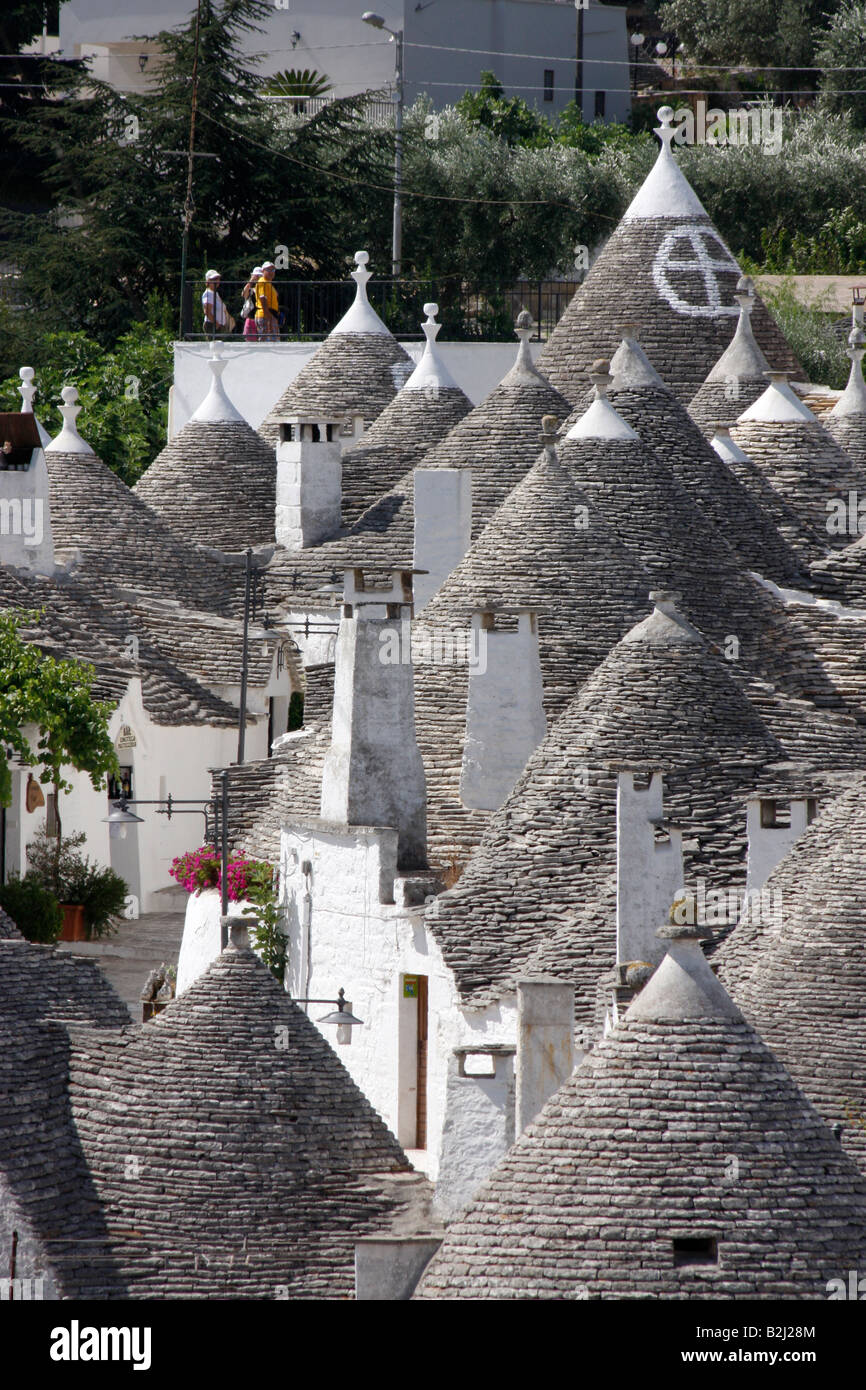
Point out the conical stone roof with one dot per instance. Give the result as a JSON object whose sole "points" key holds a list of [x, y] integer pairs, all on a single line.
{"points": [[498, 440], [799, 458], [653, 516], [800, 535], [738, 378], [214, 483], [420, 415], [258, 1160], [548, 550], [357, 370], [123, 543], [847, 420], [796, 965], [666, 267], [679, 1127], [660, 699], [662, 422]]}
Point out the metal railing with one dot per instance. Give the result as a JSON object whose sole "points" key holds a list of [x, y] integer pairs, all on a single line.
{"points": [[309, 309]]}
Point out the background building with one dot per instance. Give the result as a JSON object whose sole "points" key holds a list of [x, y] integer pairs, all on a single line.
{"points": [[545, 51]]}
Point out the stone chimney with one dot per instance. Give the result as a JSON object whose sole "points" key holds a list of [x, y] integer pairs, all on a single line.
{"points": [[505, 719], [309, 481], [443, 526], [649, 869], [545, 1044], [858, 299], [772, 826], [25, 512], [373, 773]]}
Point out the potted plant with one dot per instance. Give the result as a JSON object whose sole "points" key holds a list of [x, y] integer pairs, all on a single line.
{"points": [[91, 898]]}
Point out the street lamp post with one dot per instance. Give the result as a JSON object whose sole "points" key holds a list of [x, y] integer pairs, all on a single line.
{"points": [[636, 41], [377, 22]]}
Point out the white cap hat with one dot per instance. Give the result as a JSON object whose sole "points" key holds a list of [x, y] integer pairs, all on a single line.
{"points": [[213, 275], [256, 271], [268, 265]]}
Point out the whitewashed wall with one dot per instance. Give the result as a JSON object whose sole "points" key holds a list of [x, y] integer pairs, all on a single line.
{"points": [[359, 943], [255, 377], [165, 759]]}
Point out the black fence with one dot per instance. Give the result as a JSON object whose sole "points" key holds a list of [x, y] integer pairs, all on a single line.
{"points": [[309, 309]]}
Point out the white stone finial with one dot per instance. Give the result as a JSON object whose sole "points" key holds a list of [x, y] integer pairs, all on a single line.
{"points": [[430, 327], [69, 441], [28, 392], [361, 317], [27, 389], [665, 130], [601, 421], [745, 295], [600, 377], [216, 404], [431, 375], [361, 274], [853, 399]]}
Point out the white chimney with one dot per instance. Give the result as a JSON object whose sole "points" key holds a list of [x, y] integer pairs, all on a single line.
{"points": [[649, 869], [373, 773], [25, 511], [505, 719], [545, 1044], [309, 481], [772, 826], [443, 526]]}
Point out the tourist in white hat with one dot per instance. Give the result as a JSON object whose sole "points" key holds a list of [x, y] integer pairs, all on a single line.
{"points": [[216, 316], [267, 304], [248, 312]]}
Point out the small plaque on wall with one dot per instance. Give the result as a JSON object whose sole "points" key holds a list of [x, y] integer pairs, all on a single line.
{"points": [[126, 738], [410, 986]]}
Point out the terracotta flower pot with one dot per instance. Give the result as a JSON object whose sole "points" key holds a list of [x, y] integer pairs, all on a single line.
{"points": [[74, 927]]}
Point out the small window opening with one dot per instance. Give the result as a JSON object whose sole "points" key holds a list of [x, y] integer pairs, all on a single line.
{"points": [[696, 1250], [548, 84], [599, 105]]}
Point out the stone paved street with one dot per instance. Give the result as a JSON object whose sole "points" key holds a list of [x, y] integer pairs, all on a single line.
{"points": [[138, 948]]}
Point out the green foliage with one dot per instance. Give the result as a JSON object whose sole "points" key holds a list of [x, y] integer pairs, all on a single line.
{"points": [[267, 935], [55, 696], [295, 82], [33, 908], [843, 46], [838, 248], [810, 331], [58, 868], [509, 119], [771, 32], [123, 393], [749, 190]]}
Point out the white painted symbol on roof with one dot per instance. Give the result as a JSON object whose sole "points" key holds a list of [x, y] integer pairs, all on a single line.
{"points": [[710, 267]]}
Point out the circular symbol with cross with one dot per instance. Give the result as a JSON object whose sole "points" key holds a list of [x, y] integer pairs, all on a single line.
{"points": [[690, 248]]}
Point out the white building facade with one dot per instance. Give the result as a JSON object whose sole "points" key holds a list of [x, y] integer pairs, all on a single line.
{"points": [[545, 51]]}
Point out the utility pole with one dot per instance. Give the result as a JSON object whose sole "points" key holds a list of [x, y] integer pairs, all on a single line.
{"points": [[188, 207], [377, 22]]}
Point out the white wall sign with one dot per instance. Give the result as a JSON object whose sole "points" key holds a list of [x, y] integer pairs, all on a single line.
{"points": [[695, 255]]}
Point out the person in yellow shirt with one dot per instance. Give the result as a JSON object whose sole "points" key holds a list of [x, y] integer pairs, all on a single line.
{"points": [[267, 303]]}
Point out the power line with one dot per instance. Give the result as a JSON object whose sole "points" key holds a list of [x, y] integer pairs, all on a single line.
{"points": [[389, 188]]}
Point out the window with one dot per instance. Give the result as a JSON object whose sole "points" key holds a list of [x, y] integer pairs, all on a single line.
{"points": [[696, 1250], [599, 105], [120, 788], [548, 84]]}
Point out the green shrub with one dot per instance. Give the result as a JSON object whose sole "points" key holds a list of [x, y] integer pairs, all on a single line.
{"points": [[70, 877], [810, 332], [102, 893], [33, 908]]}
